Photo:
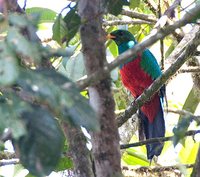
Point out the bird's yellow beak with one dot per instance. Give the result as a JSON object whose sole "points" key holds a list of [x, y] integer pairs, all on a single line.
{"points": [[109, 36]]}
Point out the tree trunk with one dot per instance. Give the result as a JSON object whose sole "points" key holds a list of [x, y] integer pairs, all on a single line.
{"points": [[78, 151], [105, 143]]}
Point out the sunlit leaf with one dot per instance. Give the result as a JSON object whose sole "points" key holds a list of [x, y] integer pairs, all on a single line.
{"points": [[134, 157], [169, 50], [45, 15], [134, 3], [188, 153], [113, 49], [63, 164]]}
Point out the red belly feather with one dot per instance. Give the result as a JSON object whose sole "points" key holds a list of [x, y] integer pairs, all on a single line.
{"points": [[136, 80]]}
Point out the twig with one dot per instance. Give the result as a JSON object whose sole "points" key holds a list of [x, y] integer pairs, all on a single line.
{"points": [[189, 70], [186, 114], [152, 6], [137, 15], [170, 11], [9, 162], [173, 167], [157, 140], [161, 41], [126, 22], [155, 171], [25, 3], [160, 34], [4, 155]]}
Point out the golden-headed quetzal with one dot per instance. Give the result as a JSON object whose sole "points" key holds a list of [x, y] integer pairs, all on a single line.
{"points": [[137, 74]]}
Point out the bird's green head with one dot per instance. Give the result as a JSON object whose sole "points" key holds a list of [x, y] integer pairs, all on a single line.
{"points": [[121, 36]]}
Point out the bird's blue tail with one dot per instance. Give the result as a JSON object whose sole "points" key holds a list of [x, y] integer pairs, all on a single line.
{"points": [[154, 130]]}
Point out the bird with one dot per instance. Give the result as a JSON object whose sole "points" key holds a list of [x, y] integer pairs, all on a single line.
{"points": [[137, 74]]}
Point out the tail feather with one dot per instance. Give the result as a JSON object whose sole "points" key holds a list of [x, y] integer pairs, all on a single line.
{"points": [[154, 130]]}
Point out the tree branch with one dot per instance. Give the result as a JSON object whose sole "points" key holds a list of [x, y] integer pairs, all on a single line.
{"points": [[186, 114], [146, 171], [157, 140], [189, 70], [127, 22], [152, 6], [159, 34], [9, 162], [140, 16]]}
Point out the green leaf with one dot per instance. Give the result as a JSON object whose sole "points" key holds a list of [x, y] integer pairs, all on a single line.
{"points": [[72, 21], [8, 65], [59, 29], [115, 6], [22, 46], [113, 49], [47, 86], [18, 168], [11, 108], [180, 130], [75, 68], [64, 164], [40, 149], [191, 102], [135, 157], [46, 15], [187, 154], [134, 3], [19, 20], [65, 29], [169, 50]]}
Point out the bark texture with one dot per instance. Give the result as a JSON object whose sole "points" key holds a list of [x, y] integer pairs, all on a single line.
{"points": [[78, 151], [105, 143]]}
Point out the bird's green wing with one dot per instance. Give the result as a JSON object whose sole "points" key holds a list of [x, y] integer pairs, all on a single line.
{"points": [[150, 65]]}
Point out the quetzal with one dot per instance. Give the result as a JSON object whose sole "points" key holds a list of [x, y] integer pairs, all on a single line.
{"points": [[137, 74]]}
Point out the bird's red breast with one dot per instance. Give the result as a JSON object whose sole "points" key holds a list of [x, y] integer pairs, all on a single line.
{"points": [[136, 80]]}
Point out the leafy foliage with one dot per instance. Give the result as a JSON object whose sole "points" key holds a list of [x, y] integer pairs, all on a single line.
{"points": [[45, 15], [59, 29], [8, 65], [179, 131], [61, 96], [32, 96], [35, 148], [11, 108], [115, 6], [64, 29], [134, 3]]}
